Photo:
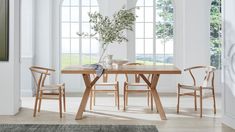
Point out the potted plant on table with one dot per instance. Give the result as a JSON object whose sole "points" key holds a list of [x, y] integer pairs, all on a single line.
{"points": [[108, 30]]}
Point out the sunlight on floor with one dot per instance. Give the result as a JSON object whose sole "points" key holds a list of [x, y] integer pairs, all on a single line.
{"points": [[137, 113]]}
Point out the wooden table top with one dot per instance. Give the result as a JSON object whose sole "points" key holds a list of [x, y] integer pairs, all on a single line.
{"points": [[125, 69]]}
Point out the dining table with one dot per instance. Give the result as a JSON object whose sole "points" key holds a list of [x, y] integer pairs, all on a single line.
{"points": [[142, 70]]}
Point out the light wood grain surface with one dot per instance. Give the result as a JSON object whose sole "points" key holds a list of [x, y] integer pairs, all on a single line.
{"points": [[125, 69]]}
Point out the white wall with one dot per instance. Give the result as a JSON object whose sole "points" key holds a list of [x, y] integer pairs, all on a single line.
{"points": [[228, 92], [27, 44], [10, 71], [43, 33], [191, 39]]}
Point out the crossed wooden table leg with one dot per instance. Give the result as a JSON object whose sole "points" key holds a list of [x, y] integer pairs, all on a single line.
{"points": [[152, 85], [89, 84]]}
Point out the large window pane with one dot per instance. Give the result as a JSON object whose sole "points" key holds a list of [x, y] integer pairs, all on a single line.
{"points": [[75, 46], [74, 14], [149, 46], [65, 59], [148, 30], [65, 30], [75, 51], [154, 11], [94, 50], [75, 58], [149, 2], [94, 9], [94, 3], [216, 33], [140, 14], [85, 2], [159, 46], [86, 46], [95, 46], [139, 46], [140, 3], [139, 30], [86, 27], [65, 45], [75, 2], [148, 58], [148, 14], [66, 3], [158, 18], [86, 51], [65, 14], [85, 11], [74, 29], [169, 48]]}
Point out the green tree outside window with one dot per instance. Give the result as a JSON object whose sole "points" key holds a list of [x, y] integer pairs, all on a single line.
{"points": [[215, 33]]}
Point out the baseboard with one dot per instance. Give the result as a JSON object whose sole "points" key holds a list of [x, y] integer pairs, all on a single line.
{"points": [[228, 121], [26, 93]]}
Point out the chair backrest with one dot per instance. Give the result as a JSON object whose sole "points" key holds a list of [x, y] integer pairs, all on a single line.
{"points": [[39, 75], [207, 78], [137, 77]]}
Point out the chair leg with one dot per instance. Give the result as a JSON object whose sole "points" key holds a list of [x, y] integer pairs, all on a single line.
{"points": [[195, 100], [60, 102], [213, 93], [35, 104], [148, 97], [151, 99], [91, 98], [124, 97], [118, 102], [178, 99], [115, 95], [64, 100], [94, 94], [200, 101], [40, 101]]}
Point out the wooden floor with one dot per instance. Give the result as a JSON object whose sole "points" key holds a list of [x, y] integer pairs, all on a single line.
{"points": [[137, 113]]}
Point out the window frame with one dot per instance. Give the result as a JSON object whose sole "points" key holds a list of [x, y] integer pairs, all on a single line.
{"points": [[80, 23], [154, 37]]}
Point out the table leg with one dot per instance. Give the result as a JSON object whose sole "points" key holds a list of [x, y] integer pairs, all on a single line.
{"points": [[89, 84], [152, 85]]}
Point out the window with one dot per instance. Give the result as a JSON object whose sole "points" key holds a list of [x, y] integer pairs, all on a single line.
{"points": [[74, 18], [216, 33], [154, 32]]}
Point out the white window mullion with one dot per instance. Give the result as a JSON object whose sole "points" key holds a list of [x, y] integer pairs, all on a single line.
{"points": [[154, 32], [154, 49], [90, 32], [164, 39], [144, 33], [70, 41], [80, 30]]}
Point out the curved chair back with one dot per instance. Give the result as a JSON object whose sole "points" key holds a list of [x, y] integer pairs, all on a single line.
{"points": [[207, 78], [39, 75], [136, 77]]}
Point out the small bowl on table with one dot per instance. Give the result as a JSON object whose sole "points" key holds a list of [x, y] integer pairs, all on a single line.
{"points": [[119, 63]]}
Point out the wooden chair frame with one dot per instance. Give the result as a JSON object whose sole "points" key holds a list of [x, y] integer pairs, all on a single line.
{"points": [[137, 83], [208, 78], [105, 83], [42, 89]]}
